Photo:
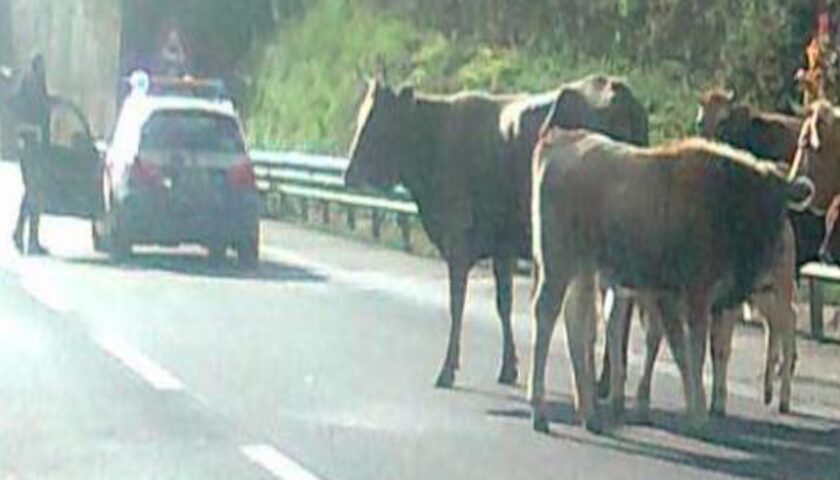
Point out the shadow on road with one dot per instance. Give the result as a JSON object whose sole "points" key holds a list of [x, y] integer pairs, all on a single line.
{"points": [[198, 266], [754, 449]]}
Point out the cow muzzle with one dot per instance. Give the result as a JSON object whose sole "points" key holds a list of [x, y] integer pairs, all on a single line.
{"points": [[801, 193]]}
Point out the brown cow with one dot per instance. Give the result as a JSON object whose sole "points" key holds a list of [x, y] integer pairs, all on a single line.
{"points": [[831, 241], [773, 136], [646, 219], [773, 297], [819, 150], [465, 158], [766, 135]]}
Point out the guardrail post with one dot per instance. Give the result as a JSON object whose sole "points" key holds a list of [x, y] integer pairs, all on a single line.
{"points": [[283, 205], [816, 306], [351, 218], [325, 212], [376, 224], [405, 228], [304, 209]]}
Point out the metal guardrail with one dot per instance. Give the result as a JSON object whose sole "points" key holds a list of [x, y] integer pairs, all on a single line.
{"points": [[285, 178]]}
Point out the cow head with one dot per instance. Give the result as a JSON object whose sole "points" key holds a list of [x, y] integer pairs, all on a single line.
{"points": [[570, 110], [382, 136], [716, 106], [818, 152], [600, 104]]}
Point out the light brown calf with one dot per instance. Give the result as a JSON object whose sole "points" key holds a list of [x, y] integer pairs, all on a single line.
{"points": [[774, 299], [694, 218]]}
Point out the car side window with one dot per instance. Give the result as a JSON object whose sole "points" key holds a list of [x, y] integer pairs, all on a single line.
{"points": [[67, 130]]}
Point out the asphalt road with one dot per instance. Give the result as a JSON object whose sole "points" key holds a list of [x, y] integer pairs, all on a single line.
{"points": [[320, 365]]}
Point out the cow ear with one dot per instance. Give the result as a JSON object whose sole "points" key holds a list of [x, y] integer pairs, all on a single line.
{"points": [[568, 108], [728, 94]]}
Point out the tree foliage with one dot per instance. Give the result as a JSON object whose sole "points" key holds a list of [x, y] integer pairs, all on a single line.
{"points": [[305, 55]]}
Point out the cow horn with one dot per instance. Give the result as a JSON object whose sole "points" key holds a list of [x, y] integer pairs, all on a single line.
{"points": [[729, 94]]}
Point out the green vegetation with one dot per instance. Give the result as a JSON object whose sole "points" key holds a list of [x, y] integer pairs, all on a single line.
{"points": [[309, 77], [298, 64]]}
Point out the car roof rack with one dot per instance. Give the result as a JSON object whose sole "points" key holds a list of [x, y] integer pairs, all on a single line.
{"points": [[142, 83]]}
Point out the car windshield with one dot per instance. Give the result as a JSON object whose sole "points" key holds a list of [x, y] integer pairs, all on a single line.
{"points": [[191, 130]]}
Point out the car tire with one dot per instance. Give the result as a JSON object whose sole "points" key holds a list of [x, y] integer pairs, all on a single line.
{"points": [[248, 252], [216, 254], [120, 246], [99, 243]]}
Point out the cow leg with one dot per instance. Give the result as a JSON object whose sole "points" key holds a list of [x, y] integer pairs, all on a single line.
{"points": [[580, 316], [674, 326], [831, 217], [781, 316], [621, 313], [503, 272], [722, 327], [767, 306], [780, 330], [787, 330], [653, 339], [617, 333], [698, 335], [458, 272], [547, 302]]}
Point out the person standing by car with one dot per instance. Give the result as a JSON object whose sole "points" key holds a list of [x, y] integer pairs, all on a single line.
{"points": [[31, 106]]}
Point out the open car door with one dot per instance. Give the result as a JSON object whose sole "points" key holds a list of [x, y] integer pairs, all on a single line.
{"points": [[71, 167]]}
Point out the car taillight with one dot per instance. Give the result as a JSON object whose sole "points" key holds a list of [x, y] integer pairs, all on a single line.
{"points": [[241, 175], [144, 174]]}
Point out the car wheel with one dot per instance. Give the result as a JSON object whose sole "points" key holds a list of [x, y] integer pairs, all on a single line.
{"points": [[248, 252], [216, 254], [99, 244], [120, 246]]}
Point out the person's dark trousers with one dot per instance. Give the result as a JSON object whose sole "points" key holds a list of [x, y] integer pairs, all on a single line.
{"points": [[29, 210]]}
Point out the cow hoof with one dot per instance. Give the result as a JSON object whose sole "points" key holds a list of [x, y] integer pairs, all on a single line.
{"points": [[768, 397], [642, 415], [617, 409], [508, 375], [784, 407], [540, 423], [446, 379], [594, 425], [615, 420], [602, 389], [698, 424]]}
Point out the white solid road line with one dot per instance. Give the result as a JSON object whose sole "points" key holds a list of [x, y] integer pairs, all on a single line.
{"points": [[148, 370], [275, 462]]}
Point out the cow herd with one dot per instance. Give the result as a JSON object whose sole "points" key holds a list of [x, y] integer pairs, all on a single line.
{"points": [[685, 232]]}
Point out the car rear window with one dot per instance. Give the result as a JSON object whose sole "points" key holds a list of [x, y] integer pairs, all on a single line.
{"points": [[190, 130]]}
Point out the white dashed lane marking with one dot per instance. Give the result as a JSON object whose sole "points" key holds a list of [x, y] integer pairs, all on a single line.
{"points": [[275, 462], [153, 374], [36, 281]]}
